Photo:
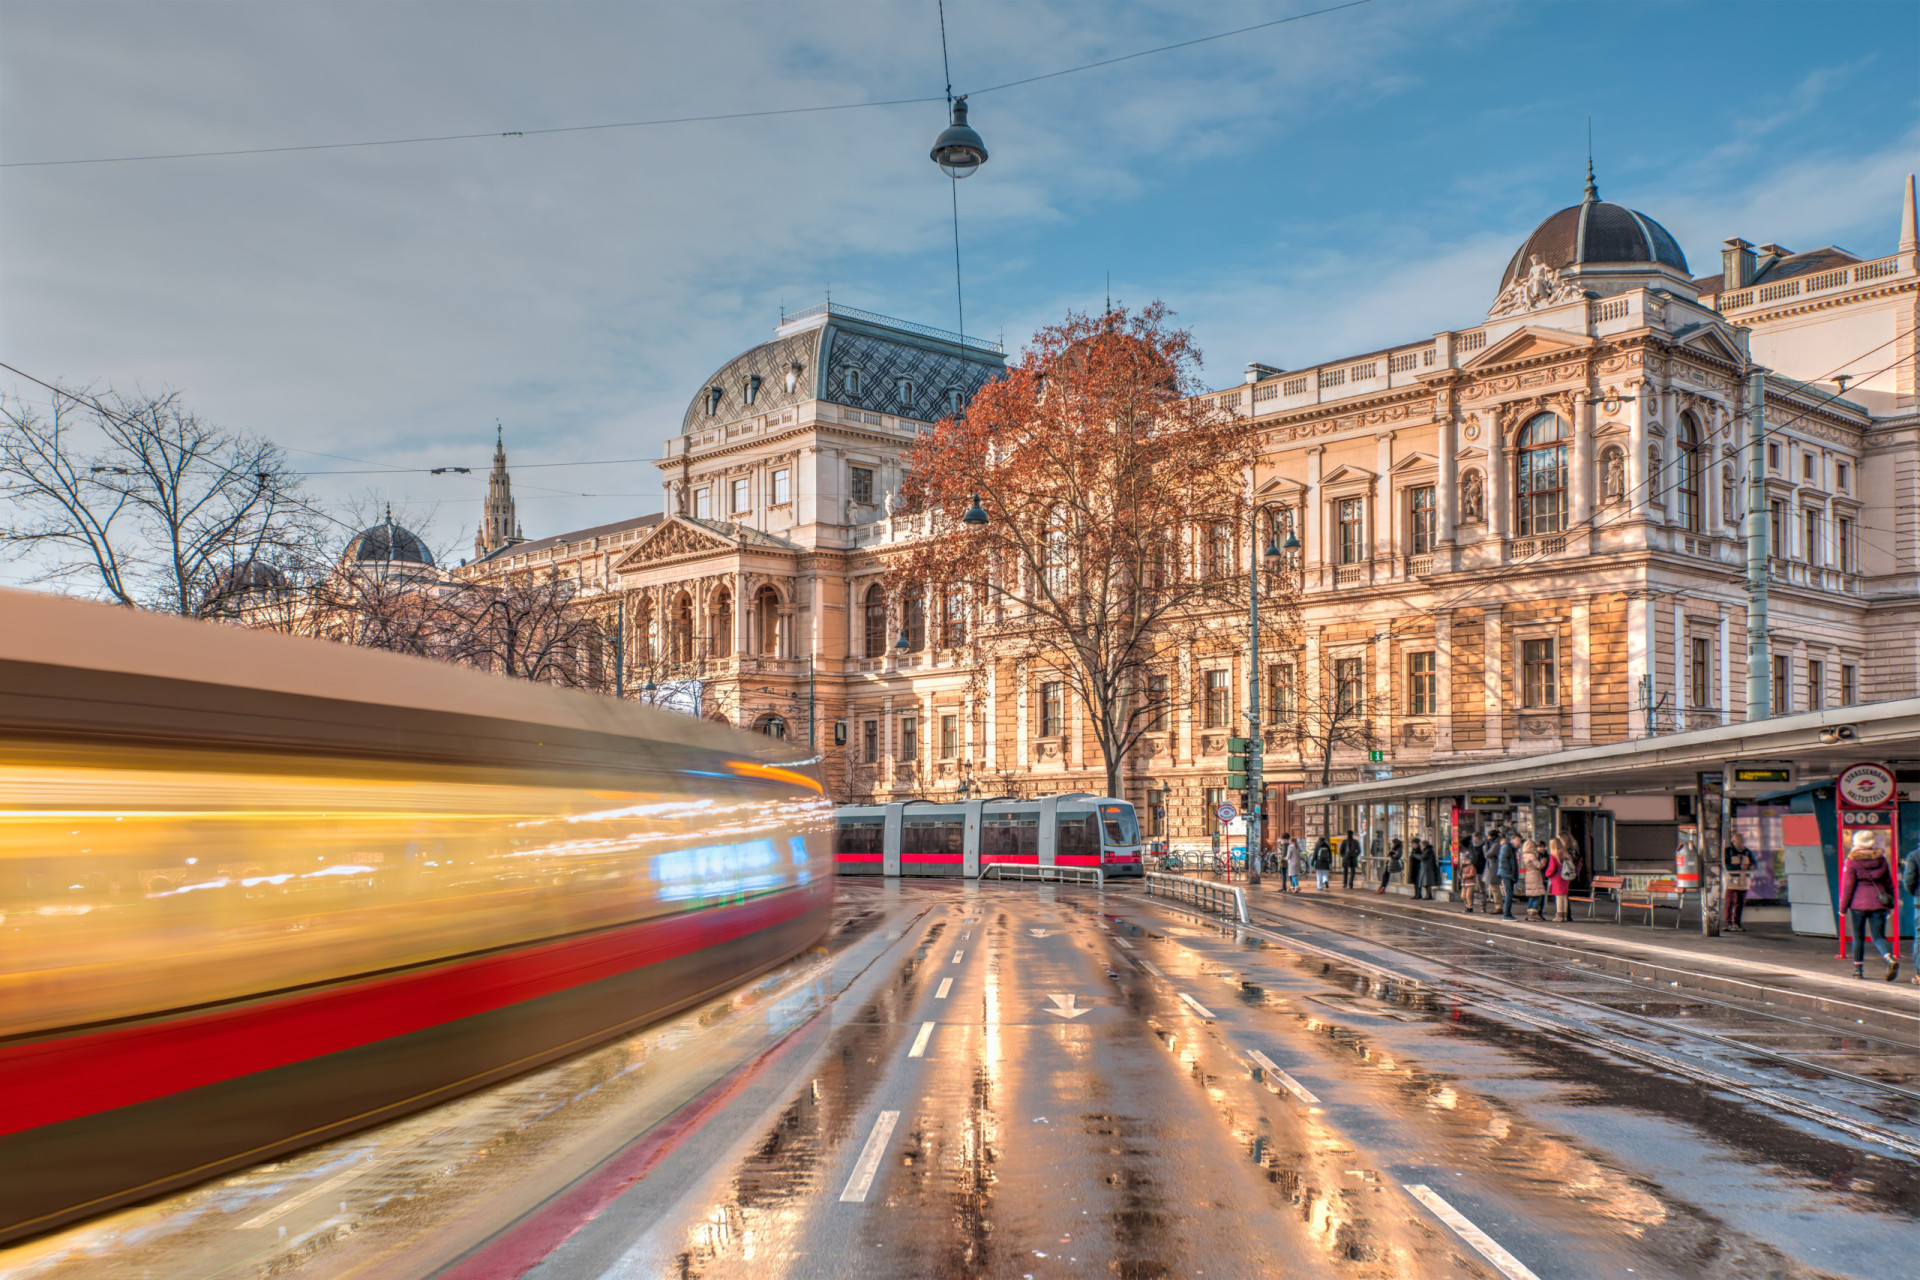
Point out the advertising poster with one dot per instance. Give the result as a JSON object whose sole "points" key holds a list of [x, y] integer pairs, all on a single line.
{"points": [[1867, 800]]}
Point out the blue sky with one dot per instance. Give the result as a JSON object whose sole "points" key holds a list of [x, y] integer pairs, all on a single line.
{"points": [[1317, 189]]}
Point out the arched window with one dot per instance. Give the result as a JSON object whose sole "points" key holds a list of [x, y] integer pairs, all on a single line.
{"points": [[721, 644], [1687, 482], [953, 621], [1540, 480], [767, 621], [682, 644], [771, 725], [852, 382], [640, 634], [915, 610], [876, 622]]}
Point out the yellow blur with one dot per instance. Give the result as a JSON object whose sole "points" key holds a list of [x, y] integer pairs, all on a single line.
{"points": [[132, 884]]}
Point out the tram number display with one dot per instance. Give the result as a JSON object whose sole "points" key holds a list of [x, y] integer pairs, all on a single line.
{"points": [[1226, 813]]}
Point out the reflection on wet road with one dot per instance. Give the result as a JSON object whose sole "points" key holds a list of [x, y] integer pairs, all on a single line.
{"points": [[1033, 1082]]}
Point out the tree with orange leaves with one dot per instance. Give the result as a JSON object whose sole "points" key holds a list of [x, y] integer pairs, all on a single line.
{"points": [[1117, 521]]}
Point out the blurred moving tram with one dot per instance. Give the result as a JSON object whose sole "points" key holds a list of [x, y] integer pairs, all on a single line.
{"points": [[966, 838], [257, 892]]}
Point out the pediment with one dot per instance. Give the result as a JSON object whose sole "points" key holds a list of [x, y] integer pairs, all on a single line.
{"points": [[1280, 485], [673, 539], [1344, 474], [1529, 342], [1711, 341], [1415, 462]]}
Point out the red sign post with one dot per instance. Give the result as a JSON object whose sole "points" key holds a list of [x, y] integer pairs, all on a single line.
{"points": [[1867, 801]]}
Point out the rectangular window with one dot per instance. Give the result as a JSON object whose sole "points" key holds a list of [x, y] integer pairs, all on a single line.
{"points": [[1280, 693], [1810, 549], [1702, 674], [782, 487], [942, 836], [1816, 685], [1423, 687], [703, 504], [1843, 538], [1157, 702], [742, 496], [1219, 699], [1424, 521], [1220, 550], [1773, 457], [1279, 528], [953, 619], [909, 738], [1849, 684], [1349, 683], [1053, 709], [1806, 466], [871, 730], [1782, 686], [1776, 529], [1539, 679], [1352, 513], [1009, 836], [1156, 813], [949, 737], [863, 485], [860, 835], [1843, 475], [1077, 835], [1216, 796]]}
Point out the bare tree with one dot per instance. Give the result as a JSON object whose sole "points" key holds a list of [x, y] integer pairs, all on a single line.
{"points": [[1335, 711], [139, 499], [534, 627]]}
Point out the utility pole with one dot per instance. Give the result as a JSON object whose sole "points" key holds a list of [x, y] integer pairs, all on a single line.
{"points": [[1759, 660], [620, 649]]}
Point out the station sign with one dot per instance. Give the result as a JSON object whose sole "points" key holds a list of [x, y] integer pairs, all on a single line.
{"points": [[1868, 803], [1758, 777], [1226, 813], [1487, 802]]}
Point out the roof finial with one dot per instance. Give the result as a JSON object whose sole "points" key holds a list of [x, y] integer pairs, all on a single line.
{"points": [[1592, 192]]}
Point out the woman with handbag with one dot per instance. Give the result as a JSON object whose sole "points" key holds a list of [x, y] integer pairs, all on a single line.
{"points": [[1866, 895], [1559, 876]]}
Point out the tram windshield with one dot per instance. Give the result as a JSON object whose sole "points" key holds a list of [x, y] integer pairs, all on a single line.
{"points": [[1119, 823]]}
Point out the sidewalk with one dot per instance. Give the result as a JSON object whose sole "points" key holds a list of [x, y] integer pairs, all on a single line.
{"points": [[1767, 965]]}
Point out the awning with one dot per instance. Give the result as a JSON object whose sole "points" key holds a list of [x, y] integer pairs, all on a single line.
{"points": [[1820, 743]]}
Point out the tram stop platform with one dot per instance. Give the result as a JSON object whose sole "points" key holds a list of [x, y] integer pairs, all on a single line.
{"points": [[1767, 965]]}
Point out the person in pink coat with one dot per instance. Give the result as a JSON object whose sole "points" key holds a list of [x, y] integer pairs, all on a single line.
{"points": [[1557, 878], [1866, 895]]}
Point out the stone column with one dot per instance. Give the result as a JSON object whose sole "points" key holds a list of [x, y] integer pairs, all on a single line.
{"points": [[1635, 407], [1022, 756], [1639, 661], [1581, 481], [1313, 518], [1581, 669], [1447, 498], [1384, 515], [1493, 669], [1443, 682], [887, 752], [1499, 479], [990, 731], [1383, 689], [1681, 699], [1725, 660], [1183, 748]]}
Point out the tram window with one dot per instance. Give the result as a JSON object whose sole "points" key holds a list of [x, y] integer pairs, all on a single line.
{"points": [[1010, 835], [933, 835], [1120, 824], [1078, 836], [860, 835]]}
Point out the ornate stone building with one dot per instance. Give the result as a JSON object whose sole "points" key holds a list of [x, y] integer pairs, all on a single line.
{"points": [[1517, 536]]}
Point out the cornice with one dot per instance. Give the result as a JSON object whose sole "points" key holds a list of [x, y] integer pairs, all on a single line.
{"points": [[839, 429], [1805, 306]]}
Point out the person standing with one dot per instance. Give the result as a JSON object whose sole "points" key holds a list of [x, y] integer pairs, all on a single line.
{"points": [[1737, 864], [1559, 877], [1866, 895], [1323, 861], [1479, 888], [1533, 872], [1506, 872], [1426, 870], [1295, 859], [1349, 865]]}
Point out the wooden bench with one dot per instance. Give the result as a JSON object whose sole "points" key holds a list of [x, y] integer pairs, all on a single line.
{"points": [[1657, 894], [1608, 885]]}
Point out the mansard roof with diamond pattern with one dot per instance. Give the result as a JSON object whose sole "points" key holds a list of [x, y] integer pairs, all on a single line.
{"points": [[848, 357]]}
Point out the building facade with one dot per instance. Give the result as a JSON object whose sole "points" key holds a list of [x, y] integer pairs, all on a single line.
{"points": [[1517, 536]]}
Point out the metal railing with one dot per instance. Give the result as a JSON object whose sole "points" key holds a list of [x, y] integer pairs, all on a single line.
{"points": [[1027, 871], [1226, 899]]}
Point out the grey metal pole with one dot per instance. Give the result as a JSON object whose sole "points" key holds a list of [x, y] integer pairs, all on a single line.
{"points": [[1255, 788], [810, 715], [620, 650], [1759, 660]]}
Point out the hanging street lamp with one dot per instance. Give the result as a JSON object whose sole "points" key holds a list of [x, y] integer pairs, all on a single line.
{"points": [[958, 150]]}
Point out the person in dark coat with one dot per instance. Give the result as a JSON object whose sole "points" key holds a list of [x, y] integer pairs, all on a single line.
{"points": [[1474, 876], [1866, 895], [1389, 866], [1349, 863], [1737, 868], [1506, 869], [1428, 873], [1323, 860]]}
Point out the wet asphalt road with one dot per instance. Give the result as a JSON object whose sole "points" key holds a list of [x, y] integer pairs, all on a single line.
{"points": [[1038, 1081]]}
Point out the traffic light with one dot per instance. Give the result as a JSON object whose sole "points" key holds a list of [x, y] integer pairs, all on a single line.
{"points": [[1237, 749]]}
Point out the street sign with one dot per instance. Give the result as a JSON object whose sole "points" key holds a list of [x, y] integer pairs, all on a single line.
{"points": [[1226, 813], [1375, 756]]}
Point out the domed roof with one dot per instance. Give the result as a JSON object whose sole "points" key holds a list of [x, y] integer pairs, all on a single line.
{"points": [[388, 543], [1595, 232]]}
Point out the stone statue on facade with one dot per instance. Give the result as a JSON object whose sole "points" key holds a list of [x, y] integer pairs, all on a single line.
{"points": [[1541, 286], [1473, 498], [1613, 481], [887, 502]]}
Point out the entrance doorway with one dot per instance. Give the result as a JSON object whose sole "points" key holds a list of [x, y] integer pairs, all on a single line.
{"points": [[1592, 834]]}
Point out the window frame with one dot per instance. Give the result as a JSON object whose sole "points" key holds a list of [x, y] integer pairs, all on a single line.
{"points": [[908, 749], [1699, 672], [1539, 673], [1283, 694], [1810, 536], [1540, 509], [1053, 709], [1782, 684], [913, 621], [1816, 685], [740, 496], [1687, 485], [1423, 683], [1423, 519], [1159, 704], [1349, 683], [780, 487], [949, 735], [860, 485], [1849, 684], [1843, 543], [874, 611], [703, 503], [1350, 519], [870, 742], [1217, 709]]}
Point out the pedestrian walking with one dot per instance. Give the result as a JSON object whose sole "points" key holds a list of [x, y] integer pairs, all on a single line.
{"points": [[1737, 865], [1866, 895], [1559, 878], [1349, 865], [1426, 871], [1533, 873], [1323, 860], [1295, 857], [1474, 875], [1506, 862]]}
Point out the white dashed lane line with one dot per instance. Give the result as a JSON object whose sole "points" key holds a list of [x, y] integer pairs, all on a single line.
{"points": [[1281, 1078], [1124, 943], [869, 1163], [946, 985], [1195, 1005], [919, 1049], [1488, 1248], [957, 955]]}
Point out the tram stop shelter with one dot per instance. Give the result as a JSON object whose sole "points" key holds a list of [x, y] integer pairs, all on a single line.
{"points": [[1635, 809]]}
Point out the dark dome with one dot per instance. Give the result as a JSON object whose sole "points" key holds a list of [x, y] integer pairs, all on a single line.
{"points": [[252, 575], [388, 543], [1594, 231]]}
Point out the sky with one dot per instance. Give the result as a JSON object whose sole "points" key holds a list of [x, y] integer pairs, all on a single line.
{"points": [[1315, 189]]}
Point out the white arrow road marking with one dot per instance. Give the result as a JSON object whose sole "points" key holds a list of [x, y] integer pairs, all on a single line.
{"points": [[1123, 942], [1038, 933], [946, 985], [919, 1049], [1504, 1262], [1195, 1005], [294, 1202], [957, 955], [1065, 1006], [869, 1164], [1274, 1073]]}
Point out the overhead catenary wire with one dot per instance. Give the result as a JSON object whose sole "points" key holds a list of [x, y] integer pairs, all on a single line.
{"points": [[665, 121]]}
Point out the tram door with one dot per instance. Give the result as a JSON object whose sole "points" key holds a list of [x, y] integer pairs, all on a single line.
{"points": [[970, 847], [891, 865], [1049, 836]]}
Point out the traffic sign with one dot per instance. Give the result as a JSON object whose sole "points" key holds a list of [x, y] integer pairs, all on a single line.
{"points": [[1375, 756], [1226, 813]]}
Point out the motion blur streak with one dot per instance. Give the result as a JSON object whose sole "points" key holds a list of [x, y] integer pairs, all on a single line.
{"points": [[243, 927]]}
